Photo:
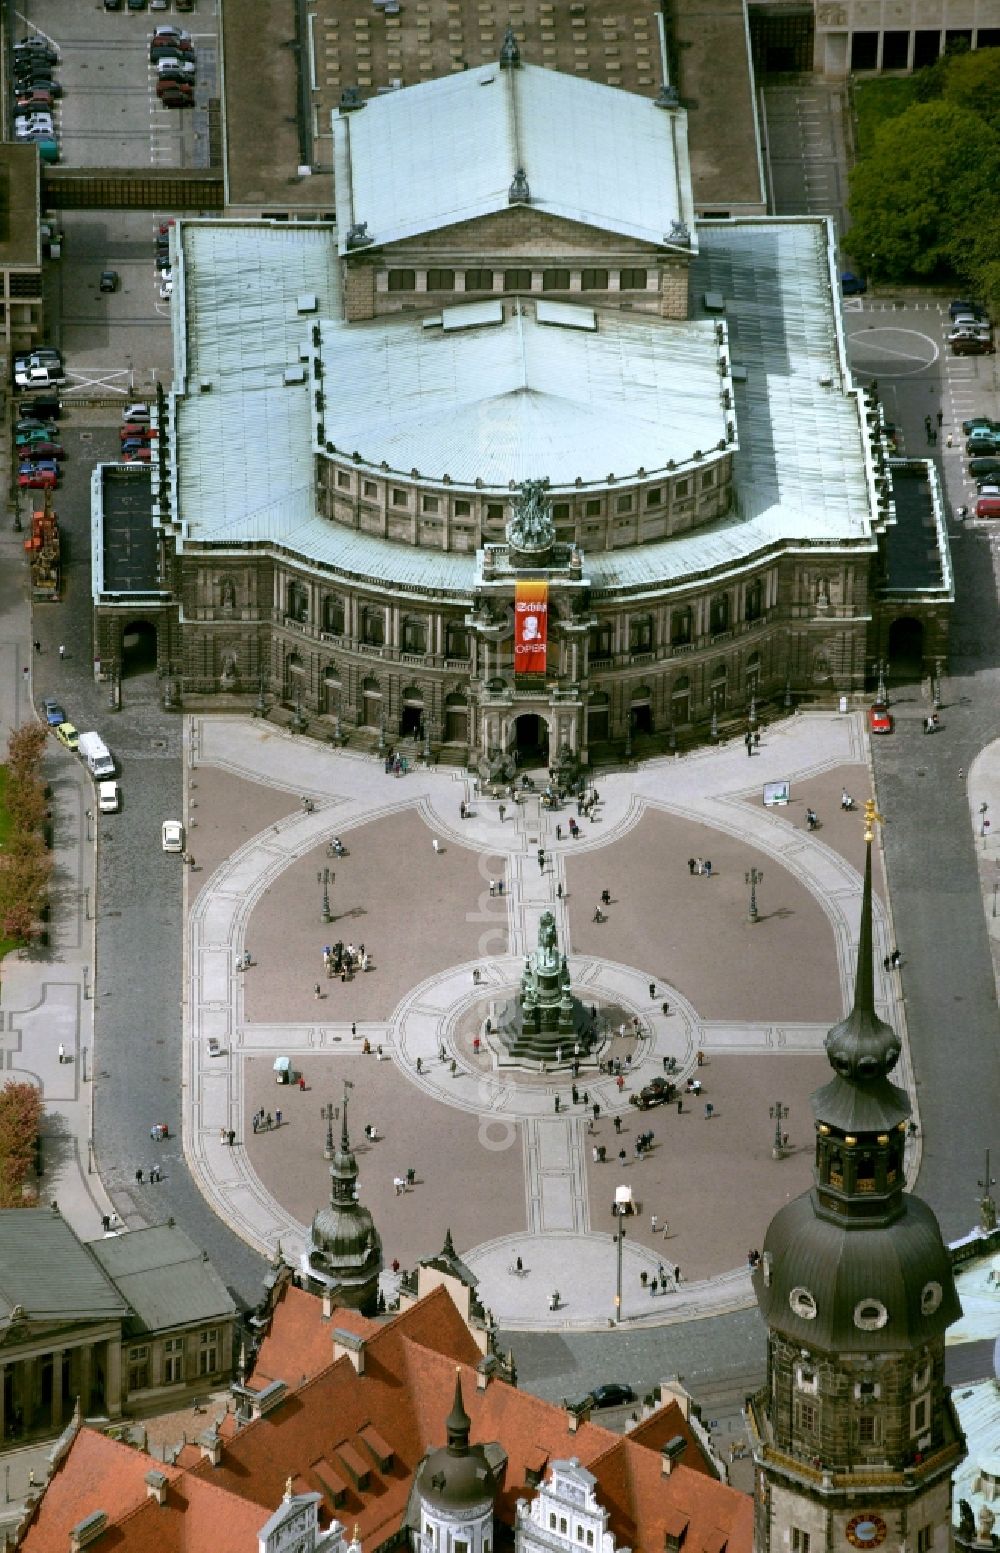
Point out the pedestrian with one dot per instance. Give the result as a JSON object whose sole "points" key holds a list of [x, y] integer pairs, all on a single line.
{"points": [[277, 1118], [222, 1135], [708, 868], [652, 991], [665, 1008], [618, 1124], [454, 1067], [255, 1123], [596, 1110], [622, 1156], [541, 860], [940, 417], [699, 866], [949, 441], [895, 958], [503, 811], [62, 650], [558, 832], [666, 1228], [318, 990], [436, 844], [680, 1106], [620, 1081], [268, 1122], [756, 739], [748, 741], [38, 645], [105, 1222], [887, 962], [559, 891], [420, 1065], [493, 887], [499, 886], [557, 1105], [62, 1052], [677, 1275], [701, 1059], [594, 1153], [399, 1184], [354, 1027], [927, 427], [653, 1221], [692, 865], [138, 1176], [709, 1110], [154, 1174]]}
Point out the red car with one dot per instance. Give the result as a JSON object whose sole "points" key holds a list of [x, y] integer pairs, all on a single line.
{"points": [[37, 480], [138, 456], [880, 718], [47, 450], [133, 429]]}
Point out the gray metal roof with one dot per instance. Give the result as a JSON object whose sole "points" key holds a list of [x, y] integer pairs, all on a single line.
{"points": [[800, 471], [522, 399], [47, 1272], [243, 434], [445, 151], [167, 1281]]}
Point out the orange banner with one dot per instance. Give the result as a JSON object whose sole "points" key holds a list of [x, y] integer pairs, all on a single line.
{"points": [[531, 627]]}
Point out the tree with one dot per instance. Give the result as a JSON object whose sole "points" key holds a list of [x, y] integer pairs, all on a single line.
{"points": [[20, 1120], [925, 191]]}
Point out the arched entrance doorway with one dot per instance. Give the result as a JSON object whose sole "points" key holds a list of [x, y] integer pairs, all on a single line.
{"points": [[295, 677], [138, 648], [529, 740], [331, 692], [371, 704], [906, 648], [412, 713], [598, 718]]}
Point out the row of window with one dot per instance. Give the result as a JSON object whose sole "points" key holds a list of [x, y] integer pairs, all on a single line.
{"points": [[584, 1535], [519, 280], [593, 507], [372, 622], [641, 627], [868, 1425], [139, 1372]]}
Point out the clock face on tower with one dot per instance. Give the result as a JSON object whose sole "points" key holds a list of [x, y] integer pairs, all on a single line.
{"points": [[866, 1530]]}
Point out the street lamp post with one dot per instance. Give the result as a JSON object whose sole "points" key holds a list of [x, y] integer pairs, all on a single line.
{"points": [[788, 692], [777, 1113], [883, 668], [984, 823], [752, 714], [90, 816], [620, 1239], [987, 1203], [261, 707], [753, 876], [936, 688], [325, 877], [714, 726]]}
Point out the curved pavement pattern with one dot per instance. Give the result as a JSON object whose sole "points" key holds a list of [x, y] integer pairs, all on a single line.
{"points": [[560, 1249]]}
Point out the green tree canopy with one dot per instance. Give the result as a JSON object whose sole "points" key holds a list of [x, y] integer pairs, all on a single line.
{"points": [[925, 200]]}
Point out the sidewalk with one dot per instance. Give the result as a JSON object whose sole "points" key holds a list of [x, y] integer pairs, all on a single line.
{"points": [[45, 997]]}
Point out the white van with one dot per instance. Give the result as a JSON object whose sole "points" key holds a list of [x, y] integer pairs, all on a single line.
{"points": [[100, 762]]}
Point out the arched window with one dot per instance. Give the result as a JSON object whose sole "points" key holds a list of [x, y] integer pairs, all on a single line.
{"points": [[718, 613], [373, 626], [755, 600], [600, 642], [333, 614]]}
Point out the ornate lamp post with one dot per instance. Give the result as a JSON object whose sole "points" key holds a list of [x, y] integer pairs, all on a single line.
{"points": [[261, 707], [620, 1246], [883, 668], [326, 877], [788, 692], [777, 1113], [752, 714], [714, 725], [753, 877]]}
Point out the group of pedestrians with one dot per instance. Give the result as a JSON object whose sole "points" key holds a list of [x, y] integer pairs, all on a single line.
{"points": [[154, 1175], [343, 960], [700, 865], [261, 1121]]}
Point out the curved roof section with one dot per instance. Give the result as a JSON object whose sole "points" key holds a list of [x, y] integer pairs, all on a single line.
{"points": [[904, 1266], [445, 151], [523, 399]]}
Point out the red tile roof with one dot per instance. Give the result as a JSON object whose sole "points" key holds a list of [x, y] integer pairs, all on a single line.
{"points": [[392, 1413], [300, 1341]]}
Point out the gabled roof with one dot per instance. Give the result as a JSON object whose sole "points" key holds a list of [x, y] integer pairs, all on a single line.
{"points": [[167, 1281], [445, 151], [49, 1273], [300, 1342]]}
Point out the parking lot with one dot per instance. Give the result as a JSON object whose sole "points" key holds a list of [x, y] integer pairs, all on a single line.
{"points": [[109, 115]]}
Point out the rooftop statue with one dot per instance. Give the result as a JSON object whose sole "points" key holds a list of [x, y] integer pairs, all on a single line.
{"points": [[531, 527]]}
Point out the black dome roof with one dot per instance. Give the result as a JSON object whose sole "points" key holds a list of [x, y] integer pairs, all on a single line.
{"points": [[458, 1476], [856, 1288]]}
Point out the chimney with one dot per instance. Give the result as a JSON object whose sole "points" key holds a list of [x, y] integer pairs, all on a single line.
{"points": [[88, 1530], [671, 1454], [210, 1445], [485, 1371], [156, 1486], [577, 1413], [349, 1343], [327, 1304]]}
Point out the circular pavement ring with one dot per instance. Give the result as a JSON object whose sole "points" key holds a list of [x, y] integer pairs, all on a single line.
{"points": [[886, 350]]}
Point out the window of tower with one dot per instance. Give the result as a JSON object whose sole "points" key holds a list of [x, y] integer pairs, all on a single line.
{"points": [[800, 1540], [562, 1525], [922, 1377], [552, 1521], [836, 1168], [806, 1415], [865, 1179], [867, 1429], [920, 1415]]}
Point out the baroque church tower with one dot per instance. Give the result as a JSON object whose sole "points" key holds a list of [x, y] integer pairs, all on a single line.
{"points": [[854, 1435]]}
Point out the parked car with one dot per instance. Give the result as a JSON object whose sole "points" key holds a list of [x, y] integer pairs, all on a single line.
{"points": [[39, 356], [37, 47], [852, 285], [109, 280], [879, 718], [37, 479], [177, 97], [35, 465], [46, 450], [32, 435], [142, 455], [972, 345], [112, 5], [39, 377], [167, 288], [184, 5], [167, 88], [108, 797], [172, 832], [612, 1394], [659, 1091], [187, 67], [168, 30], [980, 423], [960, 307], [34, 423], [988, 505], [136, 412], [31, 120], [44, 409], [983, 444], [984, 468], [135, 429], [38, 79], [37, 97], [54, 714], [67, 734], [179, 75]]}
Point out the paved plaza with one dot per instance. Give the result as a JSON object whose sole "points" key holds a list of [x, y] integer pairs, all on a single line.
{"points": [[501, 1155]]}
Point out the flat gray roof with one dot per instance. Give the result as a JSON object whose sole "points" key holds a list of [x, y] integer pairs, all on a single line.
{"points": [[445, 151]]}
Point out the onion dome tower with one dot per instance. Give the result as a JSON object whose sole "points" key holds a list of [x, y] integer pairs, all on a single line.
{"points": [[344, 1257], [854, 1435], [454, 1490]]}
